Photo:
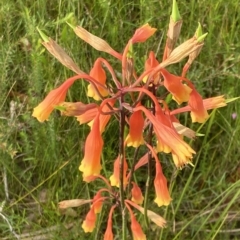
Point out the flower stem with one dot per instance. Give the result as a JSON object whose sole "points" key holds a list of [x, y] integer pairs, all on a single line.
{"points": [[149, 175], [121, 167]]}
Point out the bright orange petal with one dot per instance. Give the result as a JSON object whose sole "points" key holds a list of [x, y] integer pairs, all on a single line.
{"points": [[109, 234], [174, 85], [115, 178], [89, 222], [136, 192], [97, 203], [198, 112], [160, 183], [135, 136], [90, 164], [99, 75], [54, 98], [143, 33], [150, 63]]}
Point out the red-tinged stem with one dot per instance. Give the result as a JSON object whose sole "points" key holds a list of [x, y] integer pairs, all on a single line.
{"points": [[130, 175], [105, 180], [121, 167], [140, 79], [151, 95]]}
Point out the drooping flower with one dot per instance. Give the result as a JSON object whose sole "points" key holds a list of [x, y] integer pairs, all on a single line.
{"points": [[115, 178], [136, 192], [135, 136], [54, 98], [99, 75], [89, 222], [150, 63], [198, 112], [90, 164], [169, 137], [109, 234], [137, 231], [208, 103], [97, 202], [181, 92], [161, 189]]}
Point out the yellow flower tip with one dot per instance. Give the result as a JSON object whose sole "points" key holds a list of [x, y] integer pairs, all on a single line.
{"points": [[42, 113], [200, 118], [89, 223], [113, 181], [175, 12], [134, 143], [160, 202]]}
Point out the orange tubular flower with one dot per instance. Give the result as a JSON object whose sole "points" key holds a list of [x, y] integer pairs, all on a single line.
{"points": [[135, 227], [114, 179], [97, 203], [169, 137], [90, 164], [174, 85], [54, 98], [150, 63], [89, 222], [137, 196], [208, 103], [135, 136], [109, 234], [160, 184], [143, 33], [198, 112], [99, 75]]}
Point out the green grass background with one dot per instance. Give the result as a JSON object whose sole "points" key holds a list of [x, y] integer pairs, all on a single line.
{"points": [[44, 171]]}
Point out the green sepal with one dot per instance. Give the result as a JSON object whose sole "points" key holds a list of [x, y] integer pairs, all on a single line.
{"points": [[175, 12]]}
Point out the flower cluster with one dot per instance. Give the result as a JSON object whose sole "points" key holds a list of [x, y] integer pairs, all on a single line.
{"points": [[151, 123]]}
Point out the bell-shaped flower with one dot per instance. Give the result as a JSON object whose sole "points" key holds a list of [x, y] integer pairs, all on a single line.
{"points": [[54, 98], [198, 111], [99, 75], [181, 92], [161, 189], [115, 178], [109, 234], [136, 192], [150, 63], [136, 124], [90, 164], [89, 222]]}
